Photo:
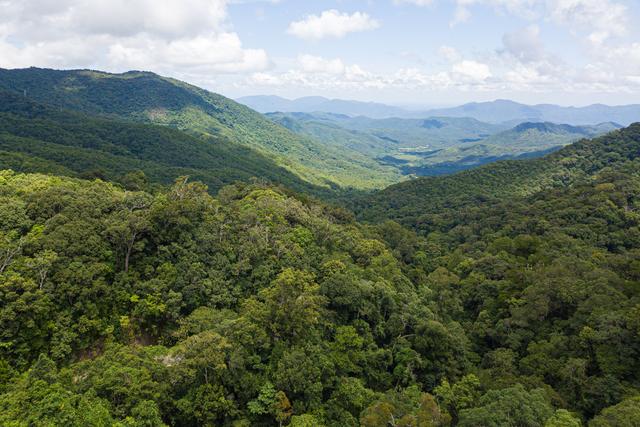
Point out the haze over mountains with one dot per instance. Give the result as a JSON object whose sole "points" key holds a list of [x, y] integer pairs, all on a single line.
{"points": [[498, 111]]}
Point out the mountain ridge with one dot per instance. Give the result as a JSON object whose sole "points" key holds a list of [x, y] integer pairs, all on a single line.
{"points": [[497, 111], [150, 98]]}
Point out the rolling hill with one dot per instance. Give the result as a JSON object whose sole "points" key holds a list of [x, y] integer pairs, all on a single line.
{"points": [[526, 140], [39, 138], [148, 98], [413, 202], [436, 145], [512, 298]]}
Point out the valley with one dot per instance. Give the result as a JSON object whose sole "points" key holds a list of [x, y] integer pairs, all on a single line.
{"points": [[171, 257]]}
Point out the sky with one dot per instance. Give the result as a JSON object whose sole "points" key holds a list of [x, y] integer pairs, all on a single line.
{"points": [[404, 52]]}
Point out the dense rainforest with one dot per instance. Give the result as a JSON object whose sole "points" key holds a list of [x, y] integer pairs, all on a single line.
{"points": [[147, 280]]}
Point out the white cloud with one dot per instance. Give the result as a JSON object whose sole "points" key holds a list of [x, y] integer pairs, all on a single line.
{"points": [[317, 64], [186, 38], [331, 23], [333, 74], [524, 44], [601, 18], [221, 53], [472, 70]]}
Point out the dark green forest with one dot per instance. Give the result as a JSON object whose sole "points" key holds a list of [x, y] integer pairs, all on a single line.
{"points": [[38, 138], [145, 97], [147, 278]]}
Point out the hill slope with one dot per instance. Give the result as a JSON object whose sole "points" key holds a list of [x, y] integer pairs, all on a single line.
{"points": [[436, 145], [409, 202], [526, 140], [39, 138], [258, 308], [149, 98]]}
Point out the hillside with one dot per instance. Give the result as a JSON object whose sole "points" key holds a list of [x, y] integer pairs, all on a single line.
{"points": [[148, 98], [436, 145], [526, 140], [175, 308], [258, 308], [39, 138], [409, 202]]}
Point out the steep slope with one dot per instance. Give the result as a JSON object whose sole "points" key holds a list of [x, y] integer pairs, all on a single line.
{"points": [[259, 308], [38, 138], [411, 201], [149, 98]]}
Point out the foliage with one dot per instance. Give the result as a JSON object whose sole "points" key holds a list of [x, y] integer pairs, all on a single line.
{"points": [[145, 97], [512, 299], [178, 308], [418, 202], [436, 145], [37, 138]]}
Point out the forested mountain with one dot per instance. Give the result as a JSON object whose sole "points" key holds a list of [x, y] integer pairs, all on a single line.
{"points": [[408, 201], [134, 295], [426, 132], [148, 98], [516, 303], [250, 309], [39, 138], [526, 140], [436, 145]]}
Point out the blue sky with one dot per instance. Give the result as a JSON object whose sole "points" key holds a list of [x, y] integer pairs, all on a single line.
{"points": [[410, 52]]}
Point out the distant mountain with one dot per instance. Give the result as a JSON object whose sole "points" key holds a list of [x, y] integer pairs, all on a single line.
{"points": [[394, 133], [311, 104], [149, 98], [502, 111], [534, 136], [499, 111], [436, 145]]}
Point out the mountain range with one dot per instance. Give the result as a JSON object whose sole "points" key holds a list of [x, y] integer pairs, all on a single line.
{"points": [[499, 111], [436, 145], [145, 97], [312, 104], [169, 257]]}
